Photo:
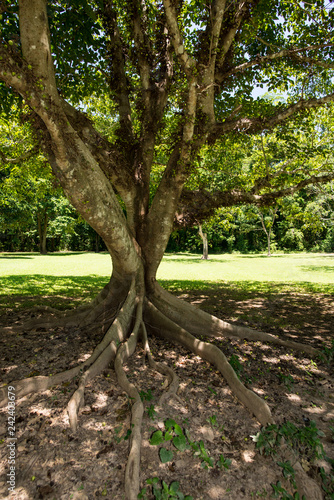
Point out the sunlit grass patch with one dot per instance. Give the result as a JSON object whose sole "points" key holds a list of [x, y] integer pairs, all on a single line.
{"points": [[62, 280]]}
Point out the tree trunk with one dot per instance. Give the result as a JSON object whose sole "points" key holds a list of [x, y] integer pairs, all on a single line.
{"points": [[42, 223], [268, 231], [204, 237], [268, 243], [97, 243]]}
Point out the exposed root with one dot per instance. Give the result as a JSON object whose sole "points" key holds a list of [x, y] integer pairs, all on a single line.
{"points": [[166, 328], [163, 369], [77, 399], [114, 335], [37, 384], [133, 464], [199, 322], [99, 313]]}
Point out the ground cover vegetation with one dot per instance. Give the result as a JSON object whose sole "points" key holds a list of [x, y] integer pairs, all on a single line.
{"points": [[180, 77], [221, 452]]}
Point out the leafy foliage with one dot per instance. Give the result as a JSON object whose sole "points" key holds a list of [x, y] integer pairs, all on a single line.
{"points": [[305, 440], [161, 490]]}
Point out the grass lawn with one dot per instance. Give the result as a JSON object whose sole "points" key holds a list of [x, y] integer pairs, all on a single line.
{"points": [[80, 275]]}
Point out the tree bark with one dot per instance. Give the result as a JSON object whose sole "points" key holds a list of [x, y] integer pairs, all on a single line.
{"points": [[204, 237], [268, 231], [42, 223]]}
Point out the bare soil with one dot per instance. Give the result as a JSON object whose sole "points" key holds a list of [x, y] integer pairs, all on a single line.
{"points": [[54, 463]]}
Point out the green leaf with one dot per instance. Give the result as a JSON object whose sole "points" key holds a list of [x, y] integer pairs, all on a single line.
{"points": [[178, 430], [157, 438], [174, 487], [169, 435], [165, 487], [180, 442], [165, 455], [170, 423], [152, 480]]}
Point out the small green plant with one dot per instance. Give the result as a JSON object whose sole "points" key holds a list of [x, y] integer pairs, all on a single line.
{"points": [[212, 390], [288, 472], [304, 440], [161, 490], [267, 440], [236, 365], [200, 452], [224, 462], [282, 494], [287, 380], [327, 354], [104, 492], [146, 396], [263, 493], [151, 412], [117, 430], [331, 428], [173, 433], [182, 441], [327, 482], [212, 420]]}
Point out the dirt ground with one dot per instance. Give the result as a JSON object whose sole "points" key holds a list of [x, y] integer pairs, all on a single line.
{"points": [[54, 463]]}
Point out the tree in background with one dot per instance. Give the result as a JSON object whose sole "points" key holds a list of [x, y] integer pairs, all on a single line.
{"points": [[181, 77], [31, 204], [263, 169]]}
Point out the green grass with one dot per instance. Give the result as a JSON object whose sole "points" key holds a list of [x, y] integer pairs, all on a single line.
{"points": [[293, 268], [62, 279]]}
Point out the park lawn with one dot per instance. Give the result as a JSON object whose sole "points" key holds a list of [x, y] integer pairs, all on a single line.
{"points": [[289, 268], [64, 279]]}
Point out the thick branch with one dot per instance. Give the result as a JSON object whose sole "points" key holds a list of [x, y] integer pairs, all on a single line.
{"points": [[254, 125], [293, 53], [119, 82], [187, 62], [164, 205], [35, 41], [208, 56], [240, 11], [25, 156], [196, 206], [76, 168]]}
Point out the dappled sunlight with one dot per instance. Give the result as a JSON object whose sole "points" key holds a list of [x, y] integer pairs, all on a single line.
{"points": [[248, 455], [274, 361], [295, 398], [9, 368]]}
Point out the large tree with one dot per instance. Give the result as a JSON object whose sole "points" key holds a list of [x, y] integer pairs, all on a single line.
{"points": [[180, 75]]}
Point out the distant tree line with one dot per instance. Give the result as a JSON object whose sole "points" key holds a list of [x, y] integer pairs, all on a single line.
{"points": [[302, 222]]}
